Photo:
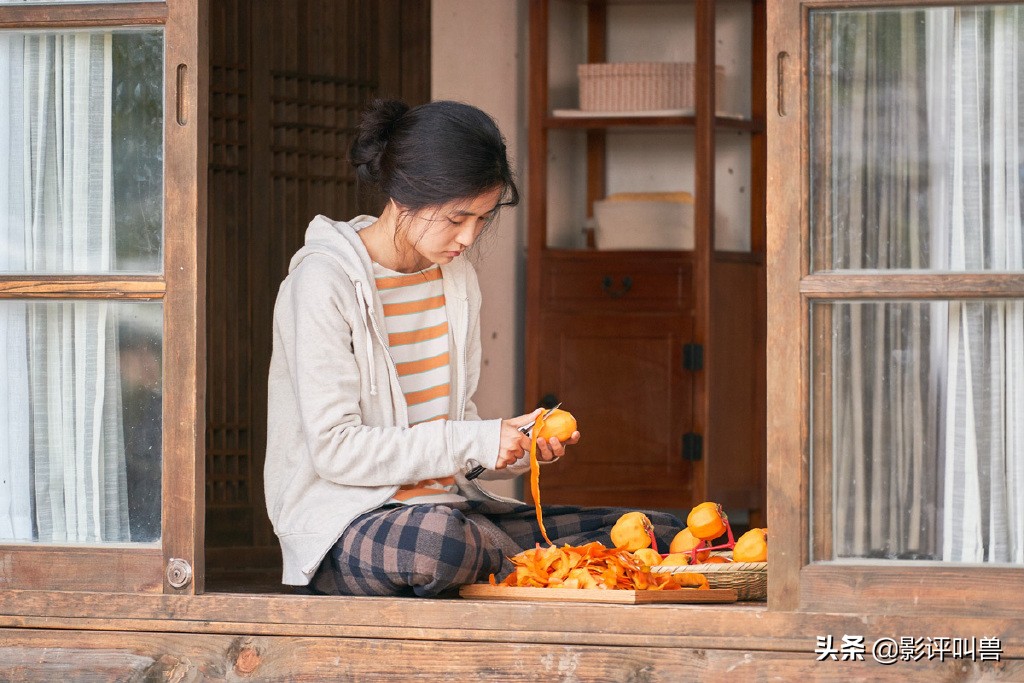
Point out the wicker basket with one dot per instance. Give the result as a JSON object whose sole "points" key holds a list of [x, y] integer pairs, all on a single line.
{"points": [[640, 86], [750, 579]]}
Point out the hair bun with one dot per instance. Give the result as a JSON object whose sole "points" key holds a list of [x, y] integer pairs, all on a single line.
{"points": [[376, 126]]}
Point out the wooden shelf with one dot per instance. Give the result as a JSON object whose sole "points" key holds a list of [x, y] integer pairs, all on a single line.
{"points": [[619, 323], [632, 121]]}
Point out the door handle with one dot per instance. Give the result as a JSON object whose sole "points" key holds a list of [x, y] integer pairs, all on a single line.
{"points": [[608, 285]]}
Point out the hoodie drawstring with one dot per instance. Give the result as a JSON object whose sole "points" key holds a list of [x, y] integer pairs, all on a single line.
{"points": [[363, 304]]}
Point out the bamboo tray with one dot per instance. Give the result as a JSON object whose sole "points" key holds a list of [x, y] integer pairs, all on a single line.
{"points": [[484, 591]]}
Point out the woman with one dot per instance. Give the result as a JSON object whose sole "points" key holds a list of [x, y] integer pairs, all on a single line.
{"points": [[376, 358]]}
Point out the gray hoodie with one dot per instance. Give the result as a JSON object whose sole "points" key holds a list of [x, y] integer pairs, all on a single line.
{"points": [[338, 436]]}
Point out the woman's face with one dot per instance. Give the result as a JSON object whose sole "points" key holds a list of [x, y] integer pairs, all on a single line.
{"points": [[438, 234]]}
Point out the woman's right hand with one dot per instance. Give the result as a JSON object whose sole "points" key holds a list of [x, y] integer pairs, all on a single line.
{"points": [[513, 442]]}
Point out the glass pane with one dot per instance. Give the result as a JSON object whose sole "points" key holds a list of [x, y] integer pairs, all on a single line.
{"points": [[81, 151], [80, 421], [921, 407], [917, 138]]}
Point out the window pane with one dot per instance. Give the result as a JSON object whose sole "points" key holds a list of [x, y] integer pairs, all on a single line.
{"points": [[919, 415], [81, 151], [917, 138], [80, 421]]}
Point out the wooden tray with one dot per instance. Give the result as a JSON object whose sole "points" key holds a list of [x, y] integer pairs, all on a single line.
{"points": [[484, 591]]}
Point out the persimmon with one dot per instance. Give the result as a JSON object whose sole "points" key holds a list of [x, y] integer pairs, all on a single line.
{"points": [[690, 580], [647, 556], [676, 559], [632, 531], [559, 424], [751, 546], [706, 521], [716, 559], [685, 542]]}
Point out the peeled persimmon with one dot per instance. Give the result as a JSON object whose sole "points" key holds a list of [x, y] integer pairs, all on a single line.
{"points": [[676, 559], [706, 521], [751, 546], [684, 542], [648, 556], [559, 424], [632, 531]]}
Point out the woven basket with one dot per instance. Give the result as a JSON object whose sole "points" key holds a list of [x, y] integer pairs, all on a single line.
{"points": [[640, 86], [750, 579]]}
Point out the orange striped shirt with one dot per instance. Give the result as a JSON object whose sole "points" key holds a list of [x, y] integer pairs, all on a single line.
{"points": [[417, 327]]}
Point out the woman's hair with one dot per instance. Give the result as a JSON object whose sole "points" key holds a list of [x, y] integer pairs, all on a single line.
{"points": [[431, 154]]}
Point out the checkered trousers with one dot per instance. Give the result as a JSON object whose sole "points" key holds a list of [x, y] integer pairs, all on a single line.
{"points": [[428, 549]]}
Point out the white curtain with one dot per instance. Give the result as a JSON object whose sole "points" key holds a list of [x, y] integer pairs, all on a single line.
{"points": [[15, 479], [925, 170], [977, 120], [62, 418], [884, 411]]}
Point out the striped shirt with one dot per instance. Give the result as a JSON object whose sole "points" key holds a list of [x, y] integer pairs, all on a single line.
{"points": [[417, 327]]}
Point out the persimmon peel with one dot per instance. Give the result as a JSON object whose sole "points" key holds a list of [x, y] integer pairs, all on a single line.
{"points": [[591, 566], [535, 475]]}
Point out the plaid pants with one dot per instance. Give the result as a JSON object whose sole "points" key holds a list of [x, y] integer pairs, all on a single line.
{"points": [[427, 549]]}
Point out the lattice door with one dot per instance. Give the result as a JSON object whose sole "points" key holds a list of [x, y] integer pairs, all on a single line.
{"points": [[287, 80]]}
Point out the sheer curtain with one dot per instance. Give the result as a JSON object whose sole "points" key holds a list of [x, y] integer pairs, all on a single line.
{"points": [[64, 445], [926, 114], [977, 112], [884, 416]]}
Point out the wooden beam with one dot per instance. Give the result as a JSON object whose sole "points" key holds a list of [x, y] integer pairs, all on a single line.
{"points": [[74, 655], [186, 133], [741, 626], [785, 370], [918, 285], [82, 15], [82, 287], [119, 567]]}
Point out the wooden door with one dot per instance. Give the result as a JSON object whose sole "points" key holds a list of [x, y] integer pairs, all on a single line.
{"points": [[288, 80]]}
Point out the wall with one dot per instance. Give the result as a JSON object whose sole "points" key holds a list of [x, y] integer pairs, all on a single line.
{"points": [[477, 57]]}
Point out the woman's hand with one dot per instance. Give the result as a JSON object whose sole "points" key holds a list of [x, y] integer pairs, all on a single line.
{"points": [[513, 442], [553, 449]]}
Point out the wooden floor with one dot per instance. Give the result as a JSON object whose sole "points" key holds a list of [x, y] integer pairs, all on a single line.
{"points": [[233, 636], [246, 581]]}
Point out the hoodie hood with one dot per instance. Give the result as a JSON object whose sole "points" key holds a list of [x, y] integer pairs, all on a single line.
{"points": [[340, 241]]}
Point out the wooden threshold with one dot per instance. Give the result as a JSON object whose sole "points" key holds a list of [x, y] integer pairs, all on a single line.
{"points": [[740, 626], [64, 654]]}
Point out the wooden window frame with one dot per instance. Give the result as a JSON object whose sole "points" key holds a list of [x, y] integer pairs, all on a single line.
{"points": [[125, 567], [796, 581], [464, 629]]}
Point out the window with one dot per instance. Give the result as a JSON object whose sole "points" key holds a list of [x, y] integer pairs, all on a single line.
{"points": [[99, 178], [905, 279]]}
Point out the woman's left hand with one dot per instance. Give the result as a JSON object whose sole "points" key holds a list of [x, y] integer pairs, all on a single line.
{"points": [[553, 449]]}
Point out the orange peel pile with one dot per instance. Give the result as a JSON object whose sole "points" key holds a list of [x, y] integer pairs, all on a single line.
{"points": [[591, 566]]}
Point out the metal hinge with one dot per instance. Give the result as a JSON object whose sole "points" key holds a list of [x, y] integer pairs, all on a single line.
{"points": [[693, 446], [693, 357]]}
